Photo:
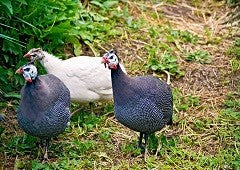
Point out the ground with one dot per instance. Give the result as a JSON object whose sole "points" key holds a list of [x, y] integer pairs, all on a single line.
{"points": [[186, 40]]}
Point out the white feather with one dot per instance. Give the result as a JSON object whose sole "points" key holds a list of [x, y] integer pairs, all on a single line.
{"points": [[86, 78]]}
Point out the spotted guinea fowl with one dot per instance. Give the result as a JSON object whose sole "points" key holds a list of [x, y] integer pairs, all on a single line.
{"points": [[143, 103], [83, 75], [44, 107]]}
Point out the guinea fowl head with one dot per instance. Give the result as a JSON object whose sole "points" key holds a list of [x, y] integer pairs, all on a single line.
{"points": [[35, 53], [111, 59], [29, 72]]}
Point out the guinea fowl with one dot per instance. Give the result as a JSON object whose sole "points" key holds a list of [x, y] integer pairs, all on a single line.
{"points": [[143, 103], [44, 106], [83, 76]]}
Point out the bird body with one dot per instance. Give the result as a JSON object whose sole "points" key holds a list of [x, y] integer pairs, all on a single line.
{"points": [[44, 107], [143, 103], [83, 76]]}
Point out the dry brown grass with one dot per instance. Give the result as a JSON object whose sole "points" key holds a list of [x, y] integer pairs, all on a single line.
{"points": [[209, 82]]}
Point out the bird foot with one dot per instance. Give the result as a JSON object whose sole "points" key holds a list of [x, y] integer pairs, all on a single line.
{"points": [[45, 158], [141, 147], [91, 105], [40, 147], [145, 154], [158, 149]]}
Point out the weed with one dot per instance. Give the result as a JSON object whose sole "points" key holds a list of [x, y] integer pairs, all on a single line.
{"points": [[37, 166], [182, 36], [235, 64], [234, 51], [233, 2], [20, 145], [167, 62], [211, 37], [130, 148], [105, 136], [202, 57], [233, 101], [183, 103]]}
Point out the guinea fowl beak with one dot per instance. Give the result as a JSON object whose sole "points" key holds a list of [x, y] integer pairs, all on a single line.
{"points": [[104, 61], [19, 71], [27, 55]]}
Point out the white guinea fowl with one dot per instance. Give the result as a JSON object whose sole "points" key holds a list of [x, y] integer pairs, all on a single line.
{"points": [[83, 75]]}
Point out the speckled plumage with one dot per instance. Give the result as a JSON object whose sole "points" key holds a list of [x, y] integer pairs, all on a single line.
{"points": [[143, 103], [44, 107]]}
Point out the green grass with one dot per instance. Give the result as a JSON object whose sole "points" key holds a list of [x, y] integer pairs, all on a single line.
{"points": [[235, 49], [97, 142], [205, 133]]}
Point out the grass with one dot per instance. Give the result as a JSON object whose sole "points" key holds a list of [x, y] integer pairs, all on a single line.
{"points": [[205, 133]]}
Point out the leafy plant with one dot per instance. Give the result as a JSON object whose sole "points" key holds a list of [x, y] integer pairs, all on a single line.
{"points": [[233, 2], [235, 64], [27, 24], [37, 166], [183, 103], [21, 144], [85, 146], [230, 116], [167, 62], [234, 51], [182, 36], [131, 148], [198, 56], [233, 101]]}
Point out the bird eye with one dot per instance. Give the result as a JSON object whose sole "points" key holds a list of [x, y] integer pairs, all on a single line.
{"points": [[111, 57], [26, 69]]}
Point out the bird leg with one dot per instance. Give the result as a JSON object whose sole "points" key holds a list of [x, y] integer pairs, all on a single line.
{"points": [[41, 143], [45, 157], [158, 149], [40, 146], [146, 146], [91, 104], [140, 141]]}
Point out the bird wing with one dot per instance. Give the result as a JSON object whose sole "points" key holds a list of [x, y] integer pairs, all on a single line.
{"points": [[91, 72], [158, 91]]}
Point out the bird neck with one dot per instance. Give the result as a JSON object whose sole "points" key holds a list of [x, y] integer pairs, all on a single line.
{"points": [[38, 89], [118, 74], [35, 82], [35, 97], [50, 62], [120, 84]]}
